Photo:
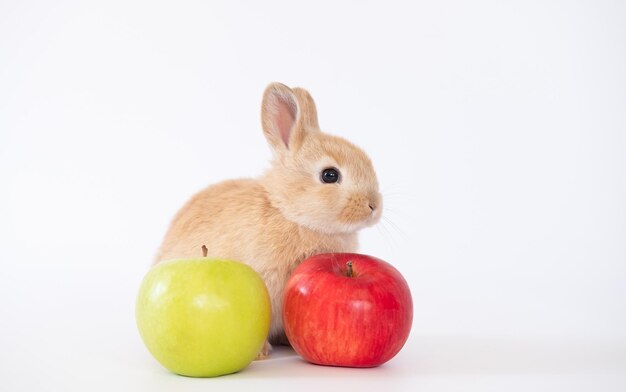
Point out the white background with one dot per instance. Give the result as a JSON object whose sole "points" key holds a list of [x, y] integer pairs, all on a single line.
{"points": [[498, 131]]}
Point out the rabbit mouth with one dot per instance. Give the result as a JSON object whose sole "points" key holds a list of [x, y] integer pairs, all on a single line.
{"points": [[356, 225], [359, 215], [374, 216]]}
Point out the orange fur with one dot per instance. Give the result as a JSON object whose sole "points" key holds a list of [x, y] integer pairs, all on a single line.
{"points": [[287, 215]]}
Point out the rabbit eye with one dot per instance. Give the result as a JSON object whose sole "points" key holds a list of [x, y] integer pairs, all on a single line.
{"points": [[330, 175]]}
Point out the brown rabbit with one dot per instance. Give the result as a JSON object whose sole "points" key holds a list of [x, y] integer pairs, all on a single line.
{"points": [[319, 191]]}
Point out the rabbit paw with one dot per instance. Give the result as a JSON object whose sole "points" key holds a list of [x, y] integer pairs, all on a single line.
{"points": [[265, 352]]}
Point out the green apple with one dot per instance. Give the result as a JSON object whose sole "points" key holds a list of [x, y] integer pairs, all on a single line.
{"points": [[203, 317]]}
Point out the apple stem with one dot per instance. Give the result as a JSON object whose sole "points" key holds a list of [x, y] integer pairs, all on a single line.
{"points": [[349, 272], [205, 251]]}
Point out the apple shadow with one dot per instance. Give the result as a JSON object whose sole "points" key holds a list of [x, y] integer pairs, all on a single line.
{"points": [[284, 362]]}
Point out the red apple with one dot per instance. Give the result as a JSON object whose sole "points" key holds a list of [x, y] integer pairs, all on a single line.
{"points": [[347, 309]]}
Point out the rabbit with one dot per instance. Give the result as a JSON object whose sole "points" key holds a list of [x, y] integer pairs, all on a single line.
{"points": [[319, 192]]}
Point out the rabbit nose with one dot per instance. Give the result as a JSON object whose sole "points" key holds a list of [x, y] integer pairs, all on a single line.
{"points": [[374, 202]]}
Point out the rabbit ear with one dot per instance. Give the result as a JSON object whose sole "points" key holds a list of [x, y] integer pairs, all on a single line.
{"points": [[286, 116], [308, 111]]}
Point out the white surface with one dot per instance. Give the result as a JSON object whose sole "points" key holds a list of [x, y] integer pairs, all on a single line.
{"points": [[498, 132]]}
